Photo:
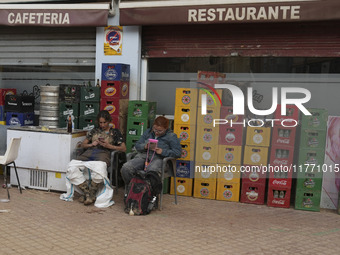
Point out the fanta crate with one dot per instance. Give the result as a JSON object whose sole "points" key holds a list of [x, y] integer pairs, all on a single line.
{"points": [[4, 93], [317, 121], [278, 197], [183, 186], [90, 94], [142, 109], [228, 191], [115, 72], [16, 103], [205, 188], [115, 89], [185, 169], [20, 118]]}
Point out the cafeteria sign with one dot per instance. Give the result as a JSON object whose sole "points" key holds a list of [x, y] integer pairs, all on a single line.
{"points": [[113, 40]]}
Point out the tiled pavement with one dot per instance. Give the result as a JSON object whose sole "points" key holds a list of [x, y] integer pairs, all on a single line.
{"points": [[38, 222]]}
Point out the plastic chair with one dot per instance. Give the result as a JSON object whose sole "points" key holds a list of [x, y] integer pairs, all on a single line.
{"points": [[117, 159], [168, 170], [9, 157]]}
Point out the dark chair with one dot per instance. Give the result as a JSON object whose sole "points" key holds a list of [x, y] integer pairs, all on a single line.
{"points": [[118, 158], [168, 170]]}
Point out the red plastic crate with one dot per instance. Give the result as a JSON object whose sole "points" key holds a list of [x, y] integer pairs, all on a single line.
{"points": [[114, 106], [292, 112], [115, 89], [226, 113], [281, 155], [279, 197], [230, 135], [4, 92], [283, 136], [253, 174], [253, 193], [280, 182]]}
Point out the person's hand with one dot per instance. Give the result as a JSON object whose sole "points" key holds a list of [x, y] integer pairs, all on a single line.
{"points": [[158, 150], [103, 143], [94, 143]]}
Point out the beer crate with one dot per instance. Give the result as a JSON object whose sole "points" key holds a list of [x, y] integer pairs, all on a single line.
{"points": [[89, 94], [4, 93], [206, 135], [206, 154], [258, 136], [63, 121], [69, 93], [228, 173], [205, 170], [130, 142], [186, 97], [185, 169], [226, 113], [281, 155], [119, 122], [183, 186], [16, 103], [255, 155], [278, 197], [207, 119], [142, 109], [310, 138], [19, 118], [228, 191], [114, 106], [291, 117], [254, 174], [115, 72], [228, 154], [66, 109], [230, 135], [185, 116], [88, 108], [317, 121], [137, 126], [283, 136], [212, 98], [309, 201], [186, 133], [115, 89], [188, 152], [313, 156], [87, 122], [205, 188], [253, 193]]}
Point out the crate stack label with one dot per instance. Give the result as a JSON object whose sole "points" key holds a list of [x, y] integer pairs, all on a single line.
{"points": [[311, 159], [206, 152], [19, 110], [114, 93], [3, 93], [88, 107], [281, 158], [254, 157], [141, 115]]}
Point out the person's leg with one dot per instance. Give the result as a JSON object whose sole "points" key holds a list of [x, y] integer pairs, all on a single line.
{"points": [[130, 168]]}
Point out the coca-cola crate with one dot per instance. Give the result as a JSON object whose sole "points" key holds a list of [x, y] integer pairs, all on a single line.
{"points": [[283, 136], [115, 72], [16, 103], [278, 197], [281, 155], [254, 174], [231, 135], [290, 119], [253, 193], [4, 93], [115, 89], [185, 169], [280, 182]]}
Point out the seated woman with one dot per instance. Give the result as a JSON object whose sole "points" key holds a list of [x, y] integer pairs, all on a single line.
{"points": [[168, 145], [90, 167]]}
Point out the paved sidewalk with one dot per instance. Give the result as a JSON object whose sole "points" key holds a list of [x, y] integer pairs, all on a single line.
{"points": [[38, 222]]}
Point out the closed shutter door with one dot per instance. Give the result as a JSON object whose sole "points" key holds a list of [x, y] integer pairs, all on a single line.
{"points": [[313, 39], [48, 46]]}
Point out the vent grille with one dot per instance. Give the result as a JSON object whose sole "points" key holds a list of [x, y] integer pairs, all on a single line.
{"points": [[38, 179]]}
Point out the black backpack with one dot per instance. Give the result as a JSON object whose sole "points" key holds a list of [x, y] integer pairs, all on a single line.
{"points": [[142, 193]]}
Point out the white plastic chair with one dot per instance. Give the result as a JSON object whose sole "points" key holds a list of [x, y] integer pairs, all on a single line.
{"points": [[9, 157]]}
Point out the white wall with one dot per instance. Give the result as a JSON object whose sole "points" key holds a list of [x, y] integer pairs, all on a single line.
{"points": [[131, 54]]}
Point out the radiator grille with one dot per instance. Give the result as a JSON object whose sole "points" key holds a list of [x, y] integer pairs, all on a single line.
{"points": [[38, 179]]}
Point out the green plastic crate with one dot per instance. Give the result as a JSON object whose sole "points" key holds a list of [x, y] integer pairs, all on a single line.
{"points": [[309, 201], [137, 126], [63, 120], [309, 184], [313, 138], [130, 142], [89, 109], [89, 94], [311, 156], [142, 109], [318, 119], [87, 122], [68, 108]]}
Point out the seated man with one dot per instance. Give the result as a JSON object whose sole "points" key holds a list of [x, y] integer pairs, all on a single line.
{"points": [[168, 145], [90, 167]]}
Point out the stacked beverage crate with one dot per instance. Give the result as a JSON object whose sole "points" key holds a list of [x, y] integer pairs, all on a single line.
{"points": [[206, 156], [115, 93], [88, 107], [3, 93], [281, 157], [255, 156], [19, 110], [69, 99], [311, 159], [229, 155], [141, 115], [185, 128]]}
